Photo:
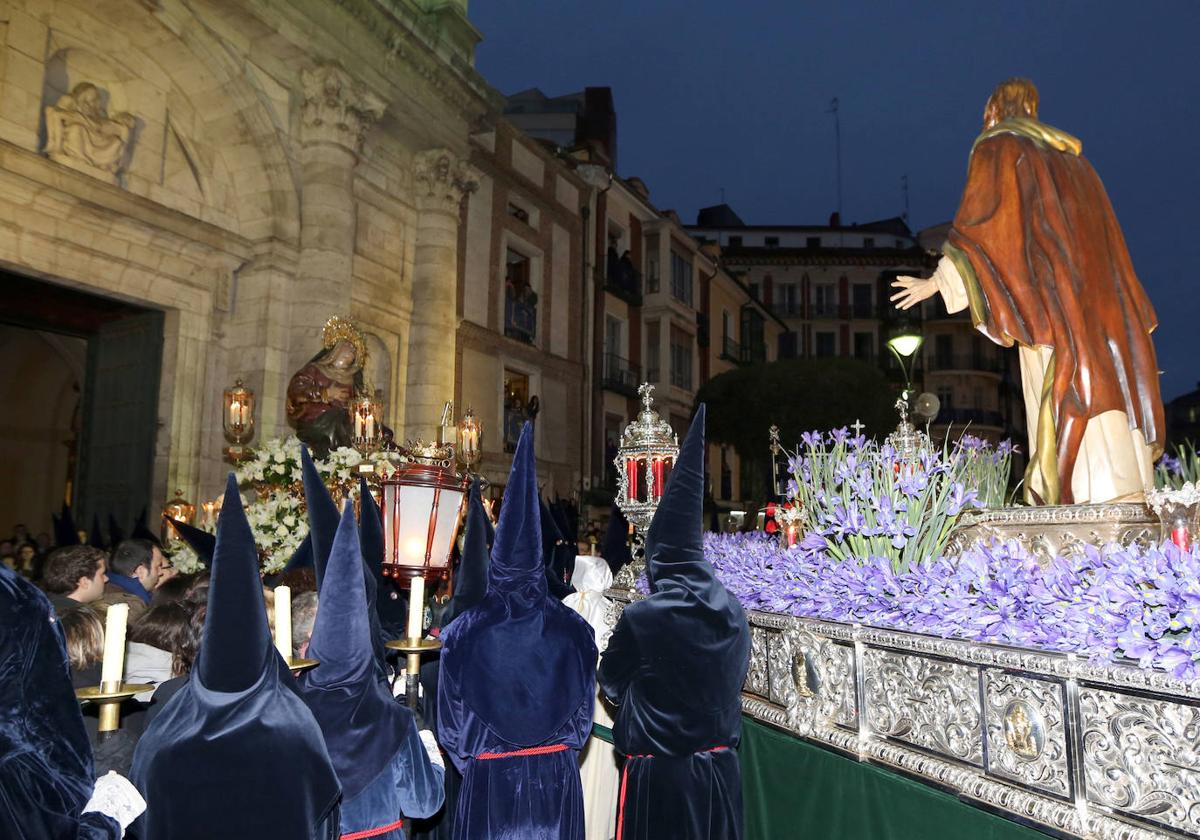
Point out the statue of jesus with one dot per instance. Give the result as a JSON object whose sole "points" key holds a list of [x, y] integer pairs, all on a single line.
{"points": [[1036, 254]]}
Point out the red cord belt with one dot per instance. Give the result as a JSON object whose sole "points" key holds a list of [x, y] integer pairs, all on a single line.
{"points": [[553, 748], [373, 832], [625, 781]]}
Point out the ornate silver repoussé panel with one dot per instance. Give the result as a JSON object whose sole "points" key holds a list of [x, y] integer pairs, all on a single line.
{"points": [[1089, 750]]}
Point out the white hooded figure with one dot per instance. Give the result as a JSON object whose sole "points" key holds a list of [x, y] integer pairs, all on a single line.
{"points": [[598, 768]]}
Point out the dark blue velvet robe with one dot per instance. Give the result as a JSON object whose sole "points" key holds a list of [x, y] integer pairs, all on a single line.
{"points": [[46, 774], [517, 672], [409, 785], [675, 665]]}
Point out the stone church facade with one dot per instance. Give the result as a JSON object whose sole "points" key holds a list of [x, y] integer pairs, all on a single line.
{"points": [[247, 169]]}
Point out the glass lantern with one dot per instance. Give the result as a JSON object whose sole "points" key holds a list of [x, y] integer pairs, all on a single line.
{"points": [[180, 509], [237, 419], [423, 503], [364, 413], [470, 441], [644, 459]]}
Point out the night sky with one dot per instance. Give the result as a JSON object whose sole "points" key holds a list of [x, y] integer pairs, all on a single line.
{"points": [[713, 95]]}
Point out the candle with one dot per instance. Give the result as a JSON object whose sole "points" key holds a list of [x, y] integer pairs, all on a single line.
{"points": [[235, 414], [283, 621], [416, 608], [1181, 537], [113, 667], [792, 535], [370, 427]]}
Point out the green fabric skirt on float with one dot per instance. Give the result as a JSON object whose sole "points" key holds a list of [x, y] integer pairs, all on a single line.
{"points": [[793, 790]]}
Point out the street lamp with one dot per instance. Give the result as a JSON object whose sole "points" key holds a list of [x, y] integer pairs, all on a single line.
{"points": [[905, 345]]}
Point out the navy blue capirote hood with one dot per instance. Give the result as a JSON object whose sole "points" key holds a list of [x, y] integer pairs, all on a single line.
{"points": [[237, 722], [200, 541], [471, 581], [519, 648], [364, 726]]}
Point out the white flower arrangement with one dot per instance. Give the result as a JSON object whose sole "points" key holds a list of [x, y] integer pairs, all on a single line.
{"points": [[277, 464], [183, 558]]}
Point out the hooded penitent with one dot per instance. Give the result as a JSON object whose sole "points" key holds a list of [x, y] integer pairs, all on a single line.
{"points": [[364, 727], [471, 582], [615, 548], [201, 542], [322, 526], [675, 665], [65, 530], [552, 543], [517, 674], [46, 773], [391, 607], [236, 739]]}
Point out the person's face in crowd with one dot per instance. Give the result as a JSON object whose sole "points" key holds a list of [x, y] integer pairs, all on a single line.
{"points": [[26, 554], [148, 577], [43, 541], [92, 589], [6, 548], [83, 537], [20, 533]]}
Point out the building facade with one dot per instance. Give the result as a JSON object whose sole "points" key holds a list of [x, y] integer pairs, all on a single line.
{"points": [[520, 340], [198, 187]]}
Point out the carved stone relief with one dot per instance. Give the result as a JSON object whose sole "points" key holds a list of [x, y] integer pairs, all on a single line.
{"points": [[82, 135]]}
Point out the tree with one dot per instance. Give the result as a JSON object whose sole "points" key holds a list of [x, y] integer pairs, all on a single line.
{"points": [[797, 395]]}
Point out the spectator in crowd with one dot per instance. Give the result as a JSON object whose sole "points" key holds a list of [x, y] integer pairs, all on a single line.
{"points": [[155, 640], [84, 634], [304, 615], [75, 575], [134, 570], [8, 553]]}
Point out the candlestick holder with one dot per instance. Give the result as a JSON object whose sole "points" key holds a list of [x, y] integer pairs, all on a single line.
{"points": [[299, 666], [109, 698], [413, 648]]}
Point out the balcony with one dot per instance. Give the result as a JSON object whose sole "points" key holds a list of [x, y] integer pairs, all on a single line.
{"points": [[970, 416], [624, 281], [520, 319], [619, 375], [830, 310], [965, 361], [731, 351]]}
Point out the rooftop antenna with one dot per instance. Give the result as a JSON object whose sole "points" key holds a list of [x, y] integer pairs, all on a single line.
{"points": [[837, 133], [904, 189], [722, 195]]}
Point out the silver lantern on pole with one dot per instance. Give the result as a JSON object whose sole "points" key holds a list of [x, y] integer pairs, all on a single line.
{"points": [[649, 447]]}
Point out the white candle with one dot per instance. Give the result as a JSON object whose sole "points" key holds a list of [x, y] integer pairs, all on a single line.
{"points": [[283, 621], [370, 427], [235, 414], [416, 608], [113, 668]]}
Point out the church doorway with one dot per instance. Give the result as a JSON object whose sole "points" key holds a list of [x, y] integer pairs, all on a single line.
{"points": [[78, 405]]}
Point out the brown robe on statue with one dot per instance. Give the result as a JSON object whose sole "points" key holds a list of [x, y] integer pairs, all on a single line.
{"points": [[1044, 265]]}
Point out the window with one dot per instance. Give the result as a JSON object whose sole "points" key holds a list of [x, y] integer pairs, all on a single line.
{"points": [[943, 351], [518, 213], [772, 241], [681, 279], [862, 300], [520, 301], [516, 402], [735, 242], [612, 335], [753, 287], [945, 395], [812, 242], [681, 359], [787, 345], [868, 242], [652, 274], [825, 297], [725, 324], [826, 344], [789, 303], [864, 346], [899, 243], [652, 345]]}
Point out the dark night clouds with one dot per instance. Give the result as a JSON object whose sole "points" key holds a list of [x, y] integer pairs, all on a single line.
{"points": [[719, 94]]}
